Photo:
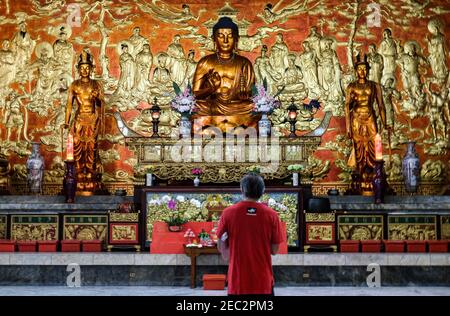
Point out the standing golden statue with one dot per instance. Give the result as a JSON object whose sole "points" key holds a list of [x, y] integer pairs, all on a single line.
{"points": [[361, 122], [87, 94], [223, 81]]}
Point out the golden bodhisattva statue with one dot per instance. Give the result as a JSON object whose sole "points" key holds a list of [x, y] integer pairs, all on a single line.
{"points": [[86, 95], [223, 81], [361, 123]]}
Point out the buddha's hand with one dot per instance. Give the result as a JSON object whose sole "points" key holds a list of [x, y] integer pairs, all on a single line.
{"points": [[214, 79]]}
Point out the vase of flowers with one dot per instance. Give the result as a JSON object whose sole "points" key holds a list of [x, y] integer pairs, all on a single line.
{"points": [[264, 104], [197, 172], [185, 104], [176, 219], [295, 174]]}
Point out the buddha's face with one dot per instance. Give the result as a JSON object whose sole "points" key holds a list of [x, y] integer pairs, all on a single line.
{"points": [[387, 34], [136, 31], [85, 70], [372, 49], [362, 71], [23, 27], [225, 40]]}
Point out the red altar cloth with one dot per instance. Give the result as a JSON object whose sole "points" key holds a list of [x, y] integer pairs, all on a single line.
{"points": [[166, 242]]}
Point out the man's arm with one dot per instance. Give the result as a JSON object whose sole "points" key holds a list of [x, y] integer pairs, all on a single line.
{"points": [[274, 249]]}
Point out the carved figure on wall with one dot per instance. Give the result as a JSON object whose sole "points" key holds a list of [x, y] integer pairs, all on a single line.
{"points": [[223, 81], [435, 110], [292, 78], [376, 64], [63, 50], [191, 65], [7, 65], [55, 123], [263, 69], [138, 41], [314, 39], [361, 122], [279, 55], [308, 63], [23, 46], [163, 12], [437, 50], [271, 12], [47, 68], [330, 73], [161, 80], [388, 49], [86, 95], [144, 62], [127, 72], [14, 118], [177, 60], [409, 63], [389, 95]]}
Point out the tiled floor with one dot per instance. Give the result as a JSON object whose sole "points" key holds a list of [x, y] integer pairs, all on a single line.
{"points": [[185, 291]]}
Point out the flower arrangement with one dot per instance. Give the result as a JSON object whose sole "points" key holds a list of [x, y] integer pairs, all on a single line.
{"points": [[295, 168], [194, 208], [197, 171], [263, 101], [176, 217], [184, 102]]}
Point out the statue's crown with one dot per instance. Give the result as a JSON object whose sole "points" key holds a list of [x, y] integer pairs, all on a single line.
{"points": [[361, 60], [85, 58]]}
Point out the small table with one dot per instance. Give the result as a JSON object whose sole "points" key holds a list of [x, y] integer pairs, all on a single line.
{"points": [[193, 253]]}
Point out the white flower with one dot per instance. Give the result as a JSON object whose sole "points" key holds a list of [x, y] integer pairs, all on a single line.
{"points": [[196, 203], [154, 202], [281, 207], [180, 198], [271, 202], [166, 198]]}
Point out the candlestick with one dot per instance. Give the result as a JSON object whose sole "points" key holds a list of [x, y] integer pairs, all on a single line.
{"points": [[69, 149], [378, 147]]}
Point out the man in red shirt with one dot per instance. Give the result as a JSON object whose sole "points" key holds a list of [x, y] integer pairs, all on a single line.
{"points": [[253, 232]]}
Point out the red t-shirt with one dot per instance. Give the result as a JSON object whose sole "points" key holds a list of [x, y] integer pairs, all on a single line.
{"points": [[252, 228]]}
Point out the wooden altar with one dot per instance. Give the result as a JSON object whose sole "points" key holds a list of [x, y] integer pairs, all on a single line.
{"points": [[287, 201]]}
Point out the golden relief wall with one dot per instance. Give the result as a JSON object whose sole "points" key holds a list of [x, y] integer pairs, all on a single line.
{"points": [[140, 47]]}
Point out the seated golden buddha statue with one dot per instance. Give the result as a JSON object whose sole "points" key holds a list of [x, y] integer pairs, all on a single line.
{"points": [[223, 82]]}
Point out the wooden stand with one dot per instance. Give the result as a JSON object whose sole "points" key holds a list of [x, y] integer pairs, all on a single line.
{"points": [[193, 253]]}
